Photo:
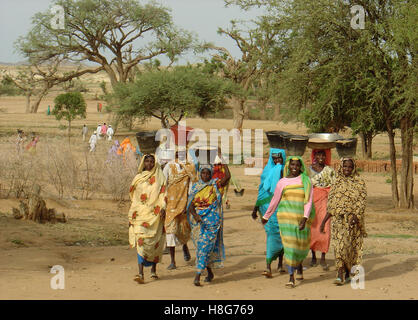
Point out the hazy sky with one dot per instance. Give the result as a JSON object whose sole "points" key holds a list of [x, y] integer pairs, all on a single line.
{"points": [[201, 16]]}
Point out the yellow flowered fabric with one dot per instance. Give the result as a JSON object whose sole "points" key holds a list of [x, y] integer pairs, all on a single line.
{"points": [[347, 198], [177, 195], [146, 228]]}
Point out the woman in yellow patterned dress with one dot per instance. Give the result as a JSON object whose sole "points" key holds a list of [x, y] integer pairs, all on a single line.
{"points": [[346, 206], [146, 215]]}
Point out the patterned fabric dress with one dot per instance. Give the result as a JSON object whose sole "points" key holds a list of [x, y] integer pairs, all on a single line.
{"points": [[347, 198], [179, 176], [146, 228], [268, 181], [207, 236]]}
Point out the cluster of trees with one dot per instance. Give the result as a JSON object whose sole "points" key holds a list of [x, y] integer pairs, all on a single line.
{"points": [[301, 56], [333, 76]]}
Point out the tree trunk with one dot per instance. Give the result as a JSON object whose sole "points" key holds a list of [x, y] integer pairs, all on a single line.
{"points": [[392, 152], [69, 130], [366, 145], [39, 98], [369, 144], [277, 112], [28, 96], [238, 106], [407, 175], [263, 111]]}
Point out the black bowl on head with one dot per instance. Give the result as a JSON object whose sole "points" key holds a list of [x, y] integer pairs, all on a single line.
{"points": [[146, 141], [296, 144], [346, 147], [276, 139]]}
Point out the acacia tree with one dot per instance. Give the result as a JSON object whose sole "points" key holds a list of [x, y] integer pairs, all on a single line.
{"points": [[37, 79], [113, 35], [254, 44], [172, 94], [69, 106]]}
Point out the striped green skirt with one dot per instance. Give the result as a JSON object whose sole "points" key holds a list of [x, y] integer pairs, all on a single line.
{"points": [[289, 214]]}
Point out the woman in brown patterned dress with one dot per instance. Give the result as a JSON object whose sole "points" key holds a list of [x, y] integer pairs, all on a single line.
{"points": [[346, 205]]}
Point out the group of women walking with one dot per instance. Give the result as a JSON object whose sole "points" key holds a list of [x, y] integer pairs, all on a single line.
{"points": [[295, 204]]}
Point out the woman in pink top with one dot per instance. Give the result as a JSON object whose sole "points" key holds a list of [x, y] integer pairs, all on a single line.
{"points": [[293, 201]]}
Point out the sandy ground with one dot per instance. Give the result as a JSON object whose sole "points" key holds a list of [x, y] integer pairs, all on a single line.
{"points": [[97, 271]]}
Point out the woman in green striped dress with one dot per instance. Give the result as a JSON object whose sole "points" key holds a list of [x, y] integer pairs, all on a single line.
{"points": [[295, 213]]}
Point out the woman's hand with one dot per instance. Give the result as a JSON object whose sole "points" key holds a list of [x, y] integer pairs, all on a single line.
{"points": [[263, 221], [353, 220], [162, 214], [254, 213], [322, 227], [197, 218], [302, 223]]}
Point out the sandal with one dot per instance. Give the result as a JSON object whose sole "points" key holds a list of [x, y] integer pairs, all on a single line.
{"points": [[267, 274], [282, 270], [325, 267], [347, 280], [154, 276], [186, 256], [300, 278], [139, 279], [172, 266], [196, 283], [338, 282], [290, 285], [313, 264]]}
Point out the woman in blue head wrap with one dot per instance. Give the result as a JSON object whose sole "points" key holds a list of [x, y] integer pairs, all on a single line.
{"points": [[205, 216], [272, 172]]}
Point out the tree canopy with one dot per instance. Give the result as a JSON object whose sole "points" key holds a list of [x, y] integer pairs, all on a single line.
{"points": [[69, 106], [171, 94], [113, 35]]}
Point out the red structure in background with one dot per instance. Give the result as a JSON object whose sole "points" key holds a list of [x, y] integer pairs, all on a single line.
{"points": [[183, 139]]}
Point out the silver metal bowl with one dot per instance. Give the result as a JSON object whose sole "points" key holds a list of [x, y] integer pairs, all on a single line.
{"points": [[330, 137]]}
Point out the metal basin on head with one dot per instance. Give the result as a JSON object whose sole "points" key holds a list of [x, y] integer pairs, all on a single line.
{"points": [[296, 145], [346, 147], [146, 141], [276, 139]]}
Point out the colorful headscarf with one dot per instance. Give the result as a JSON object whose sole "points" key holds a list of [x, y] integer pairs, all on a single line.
{"points": [[272, 172], [306, 181], [327, 156], [144, 175]]}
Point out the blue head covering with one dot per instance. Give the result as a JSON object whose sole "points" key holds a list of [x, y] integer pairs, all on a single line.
{"points": [[271, 174]]}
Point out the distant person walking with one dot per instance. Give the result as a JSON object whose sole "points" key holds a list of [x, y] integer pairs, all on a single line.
{"points": [[31, 147], [48, 111], [93, 141], [109, 133], [103, 130], [20, 141], [98, 131], [346, 206], [84, 132]]}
